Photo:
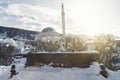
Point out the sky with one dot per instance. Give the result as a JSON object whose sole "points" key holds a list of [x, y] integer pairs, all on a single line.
{"points": [[82, 16]]}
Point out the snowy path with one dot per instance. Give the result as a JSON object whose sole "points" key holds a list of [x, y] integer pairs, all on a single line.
{"points": [[47, 73], [50, 73], [56, 75]]}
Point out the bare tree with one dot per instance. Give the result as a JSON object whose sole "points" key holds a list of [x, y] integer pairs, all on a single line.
{"points": [[6, 54]]}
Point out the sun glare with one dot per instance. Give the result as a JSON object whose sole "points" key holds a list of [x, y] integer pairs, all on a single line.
{"points": [[84, 14], [93, 31]]}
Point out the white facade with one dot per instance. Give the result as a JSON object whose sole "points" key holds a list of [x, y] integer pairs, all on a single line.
{"points": [[90, 44]]}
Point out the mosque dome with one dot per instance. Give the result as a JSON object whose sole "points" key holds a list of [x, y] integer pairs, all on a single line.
{"points": [[48, 29]]}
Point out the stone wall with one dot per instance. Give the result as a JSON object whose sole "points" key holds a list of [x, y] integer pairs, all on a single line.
{"points": [[61, 59]]}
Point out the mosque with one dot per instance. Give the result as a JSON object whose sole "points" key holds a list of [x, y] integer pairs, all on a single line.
{"points": [[50, 33], [61, 59]]}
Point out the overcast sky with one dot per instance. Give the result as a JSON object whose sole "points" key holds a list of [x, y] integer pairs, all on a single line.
{"points": [[82, 16]]}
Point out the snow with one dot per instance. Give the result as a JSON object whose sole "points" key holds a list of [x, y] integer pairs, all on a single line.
{"points": [[26, 51], [90, 51], [50, 73], [76, 52], [9, 41]]}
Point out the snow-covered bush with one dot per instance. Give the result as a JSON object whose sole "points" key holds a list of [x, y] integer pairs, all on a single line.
{"points": [[70, 44]]}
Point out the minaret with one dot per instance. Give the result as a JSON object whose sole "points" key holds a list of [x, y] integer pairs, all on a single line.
{"points": [[63, 20]]}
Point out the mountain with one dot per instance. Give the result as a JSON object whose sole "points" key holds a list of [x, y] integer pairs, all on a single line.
{"points": [[18, 33]]}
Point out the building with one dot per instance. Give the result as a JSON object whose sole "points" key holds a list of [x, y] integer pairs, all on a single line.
{"points": [[49, 34], [90, 44]]}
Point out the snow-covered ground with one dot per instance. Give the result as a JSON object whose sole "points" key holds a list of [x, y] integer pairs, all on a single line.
{"points": [[50, 73]]}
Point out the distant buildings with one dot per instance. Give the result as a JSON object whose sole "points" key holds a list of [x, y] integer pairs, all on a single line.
{"points": [[3, 35]]}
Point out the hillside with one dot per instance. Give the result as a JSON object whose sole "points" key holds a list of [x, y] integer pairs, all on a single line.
{"points": [[18, 33]]}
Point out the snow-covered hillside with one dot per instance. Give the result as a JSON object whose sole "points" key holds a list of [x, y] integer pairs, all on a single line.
{"points": [[50, 73], [18, 34]]}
